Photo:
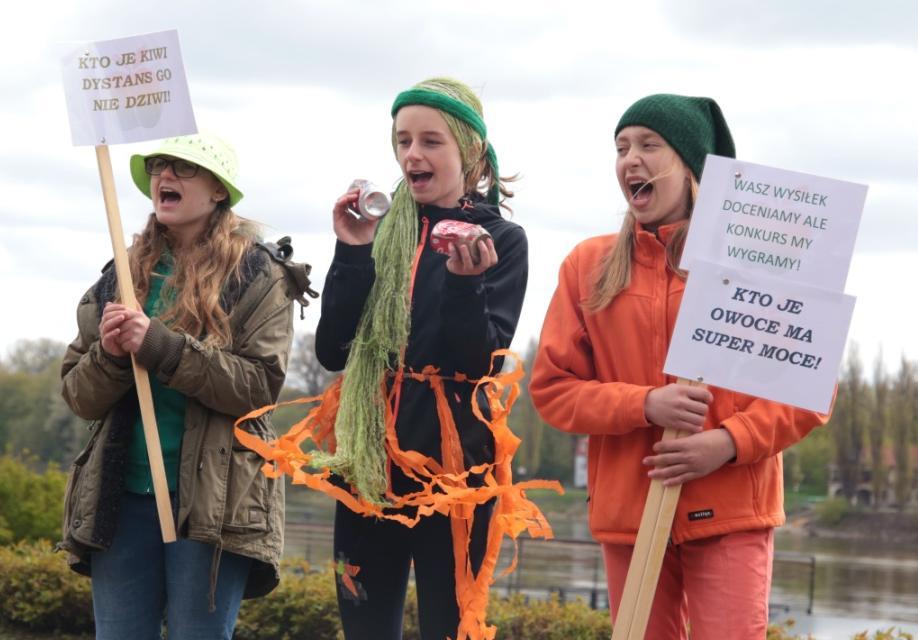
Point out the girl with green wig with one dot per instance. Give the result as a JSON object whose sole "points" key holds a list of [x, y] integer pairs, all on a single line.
{"points": [[413, 330]]}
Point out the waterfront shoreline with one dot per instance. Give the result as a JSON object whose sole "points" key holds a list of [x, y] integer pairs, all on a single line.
{"points": [[885, 527]]}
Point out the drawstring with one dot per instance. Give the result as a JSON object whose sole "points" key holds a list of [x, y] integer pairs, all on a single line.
{"points": [[214, 571]]}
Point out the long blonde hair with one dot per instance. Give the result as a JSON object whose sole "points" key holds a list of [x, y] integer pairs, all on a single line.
{"points": [[613, 273], [200, 272]]}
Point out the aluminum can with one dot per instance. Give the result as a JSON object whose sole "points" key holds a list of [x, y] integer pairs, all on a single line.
{"points": [[372, 203]]}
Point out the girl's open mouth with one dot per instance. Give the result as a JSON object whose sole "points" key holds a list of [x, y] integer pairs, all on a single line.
{"points": [[169, 196], [419, 178], [640, 192]]}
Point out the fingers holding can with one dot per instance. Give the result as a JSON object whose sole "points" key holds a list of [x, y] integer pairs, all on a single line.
{"points": [[487, 252], [372, 202], [350, 228], [469, 246]]}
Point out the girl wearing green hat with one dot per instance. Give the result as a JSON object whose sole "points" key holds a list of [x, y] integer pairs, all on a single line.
{"points": [[214, 333], [413, 329], [599, 372]]}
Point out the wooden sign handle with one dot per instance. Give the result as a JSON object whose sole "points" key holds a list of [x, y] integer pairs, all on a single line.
{"points": [[649, 548], [141, 377]]}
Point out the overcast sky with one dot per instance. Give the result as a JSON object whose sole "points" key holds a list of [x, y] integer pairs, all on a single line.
{"points": [[303, 90]]}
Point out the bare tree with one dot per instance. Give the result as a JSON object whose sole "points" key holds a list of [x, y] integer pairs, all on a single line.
{"points": [[33, 356], [902, 427], [878, 427], [304, 370], [849, 423], [526, 423]]}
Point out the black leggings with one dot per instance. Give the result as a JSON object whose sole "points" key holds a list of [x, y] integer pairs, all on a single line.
{"points": [[383, 551]]}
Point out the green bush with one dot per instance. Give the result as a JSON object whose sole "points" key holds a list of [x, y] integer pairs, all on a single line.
{"points": [[39, 593], [782, 631], [31, 503], [304, 605], [831, 512], [885, 634], [517, 619], [38, 590]]}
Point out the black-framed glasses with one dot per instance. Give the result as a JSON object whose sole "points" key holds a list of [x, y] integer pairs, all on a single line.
{"points": [[181, 168]]}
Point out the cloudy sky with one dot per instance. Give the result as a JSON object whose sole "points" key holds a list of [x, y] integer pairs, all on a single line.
{"points": [[303, 89]]}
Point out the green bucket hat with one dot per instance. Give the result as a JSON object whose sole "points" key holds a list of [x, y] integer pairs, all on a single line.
{"points": [[694, 127], [205, 150]]}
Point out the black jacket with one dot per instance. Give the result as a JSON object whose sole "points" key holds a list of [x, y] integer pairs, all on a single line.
{"points": [[456, 322]]}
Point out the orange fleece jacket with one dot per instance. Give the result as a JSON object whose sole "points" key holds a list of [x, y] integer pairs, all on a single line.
{"points": [[593, 372]]}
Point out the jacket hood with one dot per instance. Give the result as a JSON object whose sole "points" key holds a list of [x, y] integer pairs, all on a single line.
{"points": [[474, 209]]}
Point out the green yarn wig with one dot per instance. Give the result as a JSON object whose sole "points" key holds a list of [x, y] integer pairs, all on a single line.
{"points": [[382, 333], [461, 109]]}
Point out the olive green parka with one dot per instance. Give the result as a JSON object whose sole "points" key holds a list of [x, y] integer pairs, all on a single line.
{"points": [[222, 497]]}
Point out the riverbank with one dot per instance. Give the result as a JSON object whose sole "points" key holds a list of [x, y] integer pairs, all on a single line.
{"points": [[804, 516], [565, 511], [825, 627], [882, 527]]}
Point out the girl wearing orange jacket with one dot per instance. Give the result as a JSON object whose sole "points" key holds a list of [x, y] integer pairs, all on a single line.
{"points": [[599, 371]]}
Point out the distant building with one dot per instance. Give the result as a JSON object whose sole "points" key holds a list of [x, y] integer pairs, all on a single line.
{"points": [[886, 497]]}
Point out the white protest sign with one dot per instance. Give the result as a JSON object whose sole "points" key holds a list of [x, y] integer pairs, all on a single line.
{"points": [[759, 335], [774, 221], [127, 90]]}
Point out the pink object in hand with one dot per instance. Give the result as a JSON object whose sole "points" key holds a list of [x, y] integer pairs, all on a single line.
{"points": [[454, 232]]}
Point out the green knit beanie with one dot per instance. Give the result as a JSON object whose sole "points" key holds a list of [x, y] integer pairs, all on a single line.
{"points": [[694, 127]]}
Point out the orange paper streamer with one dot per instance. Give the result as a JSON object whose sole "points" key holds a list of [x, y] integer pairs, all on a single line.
{"points": [[444, 483]]}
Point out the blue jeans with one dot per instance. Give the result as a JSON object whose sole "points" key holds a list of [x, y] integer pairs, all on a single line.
{"points": [[140, 580]]}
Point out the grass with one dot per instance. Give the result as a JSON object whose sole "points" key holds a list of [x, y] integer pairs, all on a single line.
{"points": [[798, 500], [572, 504]]}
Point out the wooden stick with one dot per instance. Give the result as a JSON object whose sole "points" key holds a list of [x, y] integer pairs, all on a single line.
{"points": [[647, 557], [141, 377]]}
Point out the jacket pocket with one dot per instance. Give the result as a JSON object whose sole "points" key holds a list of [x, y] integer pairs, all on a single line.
{"points": [[72, 492], [249, 494]]}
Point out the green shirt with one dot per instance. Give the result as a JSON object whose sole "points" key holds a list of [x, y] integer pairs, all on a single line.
{"points": [[168, 405]]}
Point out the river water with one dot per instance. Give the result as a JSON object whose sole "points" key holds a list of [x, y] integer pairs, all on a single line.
{"points": [[857, 585]]}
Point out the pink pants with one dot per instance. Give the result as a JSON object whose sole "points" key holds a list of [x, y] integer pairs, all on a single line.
{"points": [[719, 586]]}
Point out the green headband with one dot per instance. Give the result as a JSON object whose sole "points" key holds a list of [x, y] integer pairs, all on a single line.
{"points": [[457, 109]]}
